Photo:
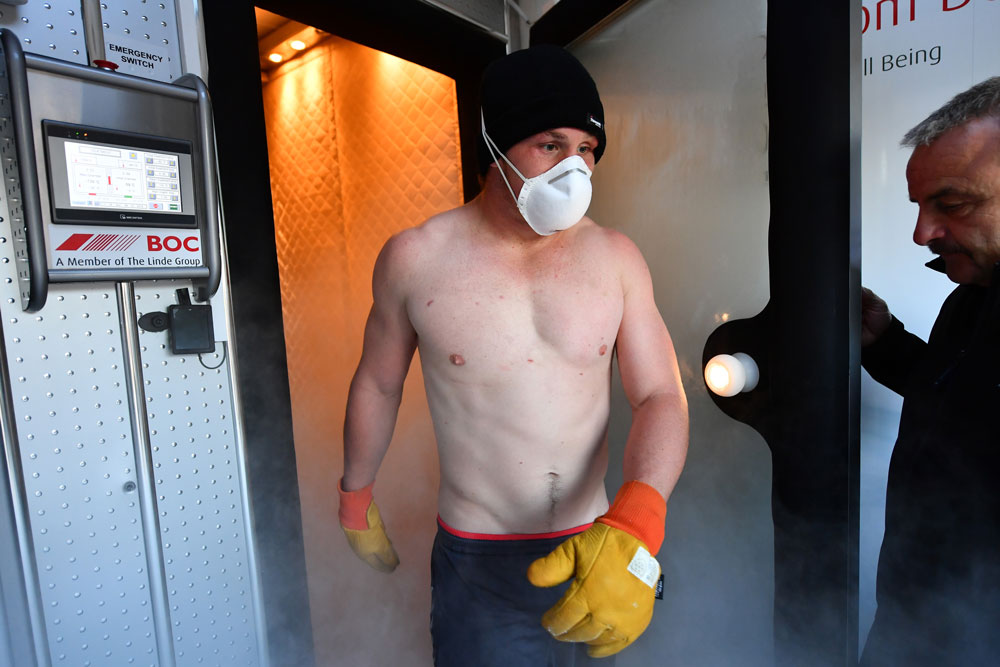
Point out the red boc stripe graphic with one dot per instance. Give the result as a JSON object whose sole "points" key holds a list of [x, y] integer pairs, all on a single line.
{"points": [[124, 242], [74, 242], [99, 242]]}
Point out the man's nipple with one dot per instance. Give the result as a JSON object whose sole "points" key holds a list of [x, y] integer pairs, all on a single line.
{"points": [[457, 359]]}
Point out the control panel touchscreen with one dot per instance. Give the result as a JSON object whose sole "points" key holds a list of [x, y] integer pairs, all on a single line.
{"points": [[106, 177]]}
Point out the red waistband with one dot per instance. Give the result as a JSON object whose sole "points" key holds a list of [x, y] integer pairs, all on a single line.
{"points": [[512, 536]]}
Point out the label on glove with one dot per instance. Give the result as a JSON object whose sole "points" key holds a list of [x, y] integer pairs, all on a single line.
{"points": [[645, 567]]}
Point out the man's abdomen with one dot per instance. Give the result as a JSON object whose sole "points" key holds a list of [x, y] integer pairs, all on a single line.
{"points": [[525, 456]]}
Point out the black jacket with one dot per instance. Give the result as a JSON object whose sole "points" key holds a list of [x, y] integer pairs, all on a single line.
{"points": [[938, 586]]}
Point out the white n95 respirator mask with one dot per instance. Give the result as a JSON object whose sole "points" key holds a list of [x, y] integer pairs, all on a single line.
{"points": [[554, 200]]}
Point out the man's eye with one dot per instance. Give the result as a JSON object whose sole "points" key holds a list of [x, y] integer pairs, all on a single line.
{"points": [[951, 206], [549, 147], [585, 149]]}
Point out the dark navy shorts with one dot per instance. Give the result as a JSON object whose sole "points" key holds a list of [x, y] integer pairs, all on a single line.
{"points": [[485, 612]]}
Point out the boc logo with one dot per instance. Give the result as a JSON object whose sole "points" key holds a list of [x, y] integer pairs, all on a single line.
{"points": [[172, 243]]}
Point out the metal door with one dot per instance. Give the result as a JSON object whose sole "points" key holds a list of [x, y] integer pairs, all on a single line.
{"points": [[748, 218], [685, 177]]}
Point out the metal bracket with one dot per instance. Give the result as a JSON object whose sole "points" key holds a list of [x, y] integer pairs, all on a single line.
{"points": [[27, 227]]}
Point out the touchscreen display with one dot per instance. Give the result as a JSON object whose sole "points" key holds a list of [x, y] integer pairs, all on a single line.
{"points": [[122, 178], [101, 176]]}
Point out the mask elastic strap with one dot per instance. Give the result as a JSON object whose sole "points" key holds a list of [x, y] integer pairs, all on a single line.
{"points": [[490, 145]]}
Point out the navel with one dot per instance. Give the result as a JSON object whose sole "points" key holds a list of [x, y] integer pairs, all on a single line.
{"points": [[457, 359]]}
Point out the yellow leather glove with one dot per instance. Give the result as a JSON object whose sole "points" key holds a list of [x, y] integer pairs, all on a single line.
{"points": [[362, 524], [610, 602]]}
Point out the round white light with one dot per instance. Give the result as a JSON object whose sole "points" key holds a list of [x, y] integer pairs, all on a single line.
{"points": [[717, 376], [297, 44], [729, 374], [275, 58]]}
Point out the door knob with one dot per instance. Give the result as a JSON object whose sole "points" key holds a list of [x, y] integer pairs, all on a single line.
{"points": [[729, 374]]}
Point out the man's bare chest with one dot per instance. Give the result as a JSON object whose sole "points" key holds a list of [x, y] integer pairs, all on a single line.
{"points": [[495, 320]]}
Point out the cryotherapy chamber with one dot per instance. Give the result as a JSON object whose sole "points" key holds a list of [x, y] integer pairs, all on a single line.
{"points": [[127, 534], [748, 238]]}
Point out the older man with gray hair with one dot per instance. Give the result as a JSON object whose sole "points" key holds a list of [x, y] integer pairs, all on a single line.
{"points": [[938, 587]]}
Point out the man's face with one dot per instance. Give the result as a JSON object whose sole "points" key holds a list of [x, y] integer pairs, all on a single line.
{"points": [[956, 183], [540, 152]]}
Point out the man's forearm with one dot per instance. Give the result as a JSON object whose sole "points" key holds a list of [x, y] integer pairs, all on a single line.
{"points": [[368, 427], [657, 442]]}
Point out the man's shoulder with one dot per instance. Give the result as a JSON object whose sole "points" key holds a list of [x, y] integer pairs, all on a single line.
{"points": [[961, 311], [609, 243], [407, 249]]}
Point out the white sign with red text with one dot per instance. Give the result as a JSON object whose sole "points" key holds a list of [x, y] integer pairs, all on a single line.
{"points": [[111, 249]]}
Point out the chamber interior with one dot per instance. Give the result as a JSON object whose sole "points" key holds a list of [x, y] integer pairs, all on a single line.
{"points": [[361, 144]]}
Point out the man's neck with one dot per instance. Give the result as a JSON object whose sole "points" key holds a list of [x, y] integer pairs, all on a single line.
{"points": [[500, 218]]}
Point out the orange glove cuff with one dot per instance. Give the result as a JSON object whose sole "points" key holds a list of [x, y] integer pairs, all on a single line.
{"points": [[640, 511], [353, 510]]}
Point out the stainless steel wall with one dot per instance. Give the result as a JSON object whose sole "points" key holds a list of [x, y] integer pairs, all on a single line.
{"points": [[133, 524], [685, 177]]}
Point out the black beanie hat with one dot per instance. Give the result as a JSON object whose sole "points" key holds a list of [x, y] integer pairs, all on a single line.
{"points": [[538, 89]]}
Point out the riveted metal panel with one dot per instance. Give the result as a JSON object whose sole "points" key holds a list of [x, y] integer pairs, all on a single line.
{"points": [[77, 457], [148, 26], [196, 466], [53, 29]]}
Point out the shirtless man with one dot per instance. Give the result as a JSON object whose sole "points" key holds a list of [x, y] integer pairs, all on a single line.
{"points": [[517, 307]]}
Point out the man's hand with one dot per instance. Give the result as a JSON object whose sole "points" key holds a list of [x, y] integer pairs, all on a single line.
{"points": [[362, 524], [610, 602], [608, 606], [875, 317]]}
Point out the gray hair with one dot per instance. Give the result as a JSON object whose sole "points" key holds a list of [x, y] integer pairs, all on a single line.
{"points": [[980, 101]]}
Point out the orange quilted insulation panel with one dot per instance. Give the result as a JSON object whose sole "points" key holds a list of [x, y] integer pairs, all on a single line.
{"points": [[361, 145]]}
